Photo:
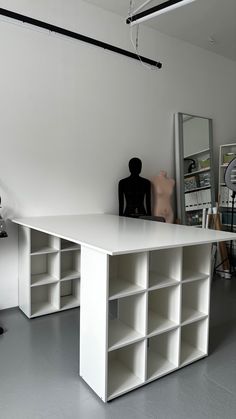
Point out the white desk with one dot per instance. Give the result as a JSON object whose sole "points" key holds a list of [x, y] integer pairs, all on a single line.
{"points": [[144, 292]]}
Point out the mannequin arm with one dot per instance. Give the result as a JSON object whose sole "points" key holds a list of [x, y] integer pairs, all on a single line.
{"points": [[121, 199], [148, 200]]}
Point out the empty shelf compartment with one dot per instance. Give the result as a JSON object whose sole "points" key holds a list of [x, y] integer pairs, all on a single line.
{"points": [[163, 309], [68, 245], [194, 341], [44, 299], [126, 320], [196, 262], [195, 300], [70, 265], [126, 369], [164, 267], [43, 243], [44, 268], [69, 294]]}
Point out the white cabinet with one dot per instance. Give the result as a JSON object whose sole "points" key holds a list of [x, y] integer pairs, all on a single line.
{"points": [[49, 273], [150, 315]]}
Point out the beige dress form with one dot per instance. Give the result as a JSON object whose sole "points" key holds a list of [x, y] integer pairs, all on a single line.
{"points": [[162, 190]]}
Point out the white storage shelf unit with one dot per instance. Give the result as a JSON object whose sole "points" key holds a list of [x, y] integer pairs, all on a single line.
{"points": [[49, 273], [157, 317]]}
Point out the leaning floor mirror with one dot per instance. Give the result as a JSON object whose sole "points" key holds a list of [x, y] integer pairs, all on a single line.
{"points": [[194, 167]]}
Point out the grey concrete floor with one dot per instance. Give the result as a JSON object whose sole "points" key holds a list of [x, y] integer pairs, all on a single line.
{"points": [[39, 372]]}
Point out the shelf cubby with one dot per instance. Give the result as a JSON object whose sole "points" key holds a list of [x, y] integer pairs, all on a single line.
{"points": [[126, 369], [127, 274], [163, 309], [162, 354], [44, 268], [67, 245], [165, 267], [194, 341], [196, 262], [69, 293], [195, 300], [44, 299], [43, 243], [70, 265], [126, 320]]}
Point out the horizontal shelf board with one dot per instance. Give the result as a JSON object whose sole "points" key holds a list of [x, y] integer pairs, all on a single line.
{"points": [[121, 288], [43, 250], [39, 309], [120, 335], [189, 275], [201, 188], [68, 275], [205, 150], [121, 379], [186, 175], [189, 353], [158, 365], [42, 279], [190, 315], [69, 302], [157, 280], [70, 248], [158, 324]]}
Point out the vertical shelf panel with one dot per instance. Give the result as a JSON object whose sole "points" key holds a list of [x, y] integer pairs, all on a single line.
{"points": [[195, 300], [165, 267], [126, 369], [24, 270], [163, 309], [194, 341], [127, 274], [94, 320], [162, 354], [196, 262], [128, 324]]}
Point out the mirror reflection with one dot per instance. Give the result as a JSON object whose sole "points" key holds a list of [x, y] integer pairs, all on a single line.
{"points": [[195, 189]]}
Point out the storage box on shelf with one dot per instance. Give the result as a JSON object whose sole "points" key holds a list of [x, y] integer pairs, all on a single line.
{"points": [[157, 308], [45, 263]]}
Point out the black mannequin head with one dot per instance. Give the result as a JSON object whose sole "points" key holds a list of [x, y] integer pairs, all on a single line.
{"points": [[135, 166]]}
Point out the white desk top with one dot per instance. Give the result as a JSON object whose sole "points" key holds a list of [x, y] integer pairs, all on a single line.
{"points": [[115, 235]]}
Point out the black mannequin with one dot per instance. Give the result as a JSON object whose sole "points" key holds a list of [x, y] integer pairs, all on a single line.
{"points": [[136, 191]]}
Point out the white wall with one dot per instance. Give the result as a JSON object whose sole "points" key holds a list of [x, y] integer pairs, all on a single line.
{"points": [[72, 115]]}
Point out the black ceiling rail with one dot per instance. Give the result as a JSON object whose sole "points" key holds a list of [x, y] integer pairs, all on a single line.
{"points": [[78, 36], [152, 10]]}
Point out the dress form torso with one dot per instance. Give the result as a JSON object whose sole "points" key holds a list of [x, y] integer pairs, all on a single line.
{"points": [[162, 188]]}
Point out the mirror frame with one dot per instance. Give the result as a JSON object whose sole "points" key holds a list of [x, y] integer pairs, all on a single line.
{"points": [[179, 164]]}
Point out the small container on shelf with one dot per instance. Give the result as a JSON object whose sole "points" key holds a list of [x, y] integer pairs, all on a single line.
{"points": [[163, 309], [196, 262], [44, 269], [194, 342], [127, 274], [44, 299], [70, 265], [126, 369], [195, 300], [43, 243], [69, 294], [164, 267], [126, 320], [162, 354]]}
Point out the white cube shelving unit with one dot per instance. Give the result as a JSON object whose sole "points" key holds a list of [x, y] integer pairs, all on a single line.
{"points": [[152, 315], [49, 273]]}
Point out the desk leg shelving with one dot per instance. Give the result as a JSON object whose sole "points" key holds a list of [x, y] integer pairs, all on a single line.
{"points": [[49, 273], [143, 315]]}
